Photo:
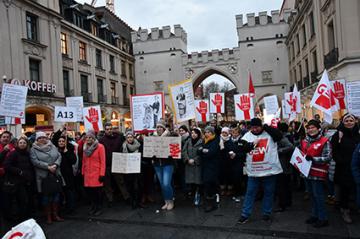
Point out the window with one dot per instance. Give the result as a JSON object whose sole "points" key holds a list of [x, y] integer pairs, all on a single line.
{"points": [[306, 68], [295, 76], [31, 27], [100, 89], [300, 71], [292, 50], [113, 89], [131, 90], [84, 85], [124, 91], [304, 35], [312, 24], [131, 71], [34, 66], [82, 51], [94, 29], [266, 76], [78, 20], [123, 69], [112, 63], [64, 49], [331, 36], [98, 58], [66, 83], [314, 60], [298, 43]]}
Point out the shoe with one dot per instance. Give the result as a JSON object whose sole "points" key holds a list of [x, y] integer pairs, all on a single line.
{"points": [[266, 218], [311, 220], [279, 209], [55, 212], [164, 207], [97, 212], [243, 220], [197, 199], [217, 198], [321, 223], [170, 205], [346, 215]]}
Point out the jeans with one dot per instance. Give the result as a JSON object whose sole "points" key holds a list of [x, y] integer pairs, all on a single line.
{"points": [[358, 195], [48, 199], [316, 190], [164, 175], [268, 183]]}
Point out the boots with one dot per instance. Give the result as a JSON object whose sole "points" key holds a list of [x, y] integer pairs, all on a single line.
{"points": [[55, 211], [170, 205], [346, 215], [47, 212]]}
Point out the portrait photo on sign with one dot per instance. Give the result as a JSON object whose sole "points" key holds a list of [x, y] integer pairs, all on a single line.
{"points": [[147, 110], [183, 103]]}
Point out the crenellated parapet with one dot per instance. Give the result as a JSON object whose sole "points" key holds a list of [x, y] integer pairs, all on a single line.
{"points": [[156, 33], [262, 19], [211, 56]]}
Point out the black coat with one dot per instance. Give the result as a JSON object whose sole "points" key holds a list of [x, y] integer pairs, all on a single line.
{"points": [[68, 159], [210, 160], [18, 167], [342, 153]]}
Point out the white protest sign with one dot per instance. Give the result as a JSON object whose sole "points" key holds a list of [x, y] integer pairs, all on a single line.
{"points": [[244, 107], [271, 104], [126, 163], [272, 119], [78, 103], [13, 100], [217, 103], [299, 161], [339, 88], [28, 229], [162, 147], [65, 114], [353, 97], [202, 110], [183, 101], [14, 120], [92, 118]]}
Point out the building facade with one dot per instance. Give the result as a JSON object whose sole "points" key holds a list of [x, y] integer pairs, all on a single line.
{"points": [[60, 48], [323, 34]]}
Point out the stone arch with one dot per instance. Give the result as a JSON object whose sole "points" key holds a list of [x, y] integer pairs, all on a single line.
{"points": [[200, 76], [32, 110]]}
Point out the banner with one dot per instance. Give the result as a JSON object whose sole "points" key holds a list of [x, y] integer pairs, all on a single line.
{"points": [[78, 103], [183, 102], [28, 229], [299, 161], [339, 88], [13, 100], [244, 107], [65, 114], [92, 118], [162, 147], [126, 163], [217, 103], [202, 110], [146, 111], [271, 104], [353, 97], [272, 119]]}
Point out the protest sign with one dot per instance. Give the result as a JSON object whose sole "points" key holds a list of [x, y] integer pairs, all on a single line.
{"points": [[353, 97], [92, 118], [78, 103], [271, 104], [126, 163], [244, 107], [13, 100], [202, 110], [162, 147], [28, 229], [299, 161], [183, 102], [65, 114], [217, 103]]}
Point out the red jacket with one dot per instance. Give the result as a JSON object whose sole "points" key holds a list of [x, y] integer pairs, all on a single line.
{"points": [[93, 167], [315, 149], [3, 155]]}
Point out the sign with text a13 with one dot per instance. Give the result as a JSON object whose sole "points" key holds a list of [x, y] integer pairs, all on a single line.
{"points": [[65, 114]]}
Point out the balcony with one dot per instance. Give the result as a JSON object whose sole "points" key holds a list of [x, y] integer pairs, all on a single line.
{"points": [[87, 96], [332, 58], [102, 99], [114, 100], [306, 81]]}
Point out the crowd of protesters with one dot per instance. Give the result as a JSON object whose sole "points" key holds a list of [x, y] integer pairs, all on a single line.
{"points": [[58, 172]]}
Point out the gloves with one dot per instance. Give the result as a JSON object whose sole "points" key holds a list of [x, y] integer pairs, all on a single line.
{"points": [[101, 179], [309, 158], [205, 151]]}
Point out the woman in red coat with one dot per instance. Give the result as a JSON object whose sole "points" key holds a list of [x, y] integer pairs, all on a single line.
{"points": [[93, 170]]}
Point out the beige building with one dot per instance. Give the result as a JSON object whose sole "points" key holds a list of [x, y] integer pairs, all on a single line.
{"points": [[61, 48], [323, 34]]}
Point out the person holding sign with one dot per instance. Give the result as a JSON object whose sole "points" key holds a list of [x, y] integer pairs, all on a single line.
{"points": [[93, 170], [133, 180], [317, 149], [164, 168]]}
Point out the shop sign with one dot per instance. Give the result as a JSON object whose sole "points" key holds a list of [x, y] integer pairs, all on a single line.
{"points": [[36, 85]]}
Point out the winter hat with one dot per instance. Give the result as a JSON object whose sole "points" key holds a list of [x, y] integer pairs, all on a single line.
{"points": [[184, 127], [209, 129], [256, 122], [348, 115], [283, 127], [161, 123], [129, 132], [225, 129], [40, 134], [91, 133], [314, 122]]}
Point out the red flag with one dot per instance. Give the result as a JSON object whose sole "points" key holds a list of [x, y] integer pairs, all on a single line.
{"points": [[251, 87]]}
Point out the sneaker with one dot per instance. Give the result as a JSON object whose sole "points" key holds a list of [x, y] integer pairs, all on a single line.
{"points": [[346, 215], [266, 218], [170, 205], [217, 198], [164, 207], [97, 213], [321, 223], [243, 220], [237, 199], [197, 199], [311, 220]]}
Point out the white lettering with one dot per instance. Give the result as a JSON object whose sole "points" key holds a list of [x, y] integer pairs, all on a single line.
{"points": [[37, 86]]}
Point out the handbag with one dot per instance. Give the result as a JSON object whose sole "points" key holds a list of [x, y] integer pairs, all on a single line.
{"points": [[51, 184]]}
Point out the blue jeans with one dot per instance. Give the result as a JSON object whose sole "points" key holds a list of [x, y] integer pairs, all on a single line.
{"points": [[253, 183], [316, 190], [358, 195], [164, 175]]}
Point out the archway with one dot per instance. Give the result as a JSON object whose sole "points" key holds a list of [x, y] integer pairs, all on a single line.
{"points": [[38, 116]]}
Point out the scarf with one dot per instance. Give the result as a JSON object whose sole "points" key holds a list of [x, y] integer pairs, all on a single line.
{"points": [[223, 140], [209, 139], [131, 148], [43, 147], [194, 141], [88, 150]]}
